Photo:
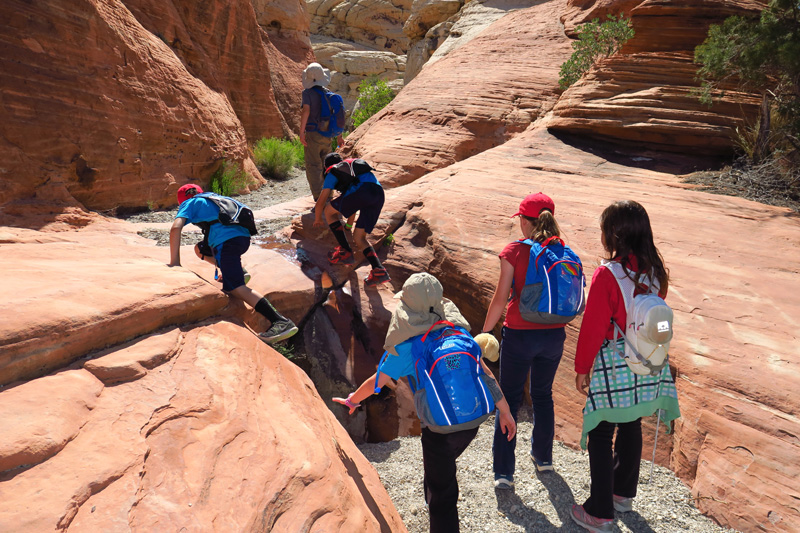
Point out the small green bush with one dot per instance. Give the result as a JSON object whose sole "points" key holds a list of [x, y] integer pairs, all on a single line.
{"points": [[595, 41], [373, 95], [228, 179], [276, 157]]}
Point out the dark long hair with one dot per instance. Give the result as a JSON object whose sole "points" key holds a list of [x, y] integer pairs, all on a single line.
{"points": [[544, 227], [626, 230]]}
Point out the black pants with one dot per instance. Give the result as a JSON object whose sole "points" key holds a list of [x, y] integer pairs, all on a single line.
{"points": [[439, 454], [614, 467]]}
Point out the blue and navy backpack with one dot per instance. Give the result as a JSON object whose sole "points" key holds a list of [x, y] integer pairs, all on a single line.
{"points": [[449, 392], [554, 283], [331, 113]]}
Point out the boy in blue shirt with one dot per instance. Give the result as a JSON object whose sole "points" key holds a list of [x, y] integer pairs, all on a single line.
{"points": [[226, 244], [363, 194]]}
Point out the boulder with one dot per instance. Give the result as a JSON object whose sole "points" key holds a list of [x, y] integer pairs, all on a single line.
{"points": [[226, 434], [375, 23]]}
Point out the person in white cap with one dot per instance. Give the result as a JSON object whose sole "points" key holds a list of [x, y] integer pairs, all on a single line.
{"points": [[316, 146], [616, 398]]}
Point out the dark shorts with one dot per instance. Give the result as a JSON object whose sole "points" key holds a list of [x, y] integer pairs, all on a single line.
{"points": [[367, 200], [229, 258]]}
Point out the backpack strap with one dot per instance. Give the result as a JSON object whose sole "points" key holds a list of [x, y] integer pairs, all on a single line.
{"points": [[378, 373], [440, 322]]}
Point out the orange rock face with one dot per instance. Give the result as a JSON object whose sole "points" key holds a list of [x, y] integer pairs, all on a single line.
{"points": [[216, 417], [122, 104], [645, 95]]}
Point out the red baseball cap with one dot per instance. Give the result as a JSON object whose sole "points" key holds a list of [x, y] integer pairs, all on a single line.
{"points": [[184, 194], [533, 204]]}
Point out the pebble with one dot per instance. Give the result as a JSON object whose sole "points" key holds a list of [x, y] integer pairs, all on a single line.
{"points": [[539, 502]]}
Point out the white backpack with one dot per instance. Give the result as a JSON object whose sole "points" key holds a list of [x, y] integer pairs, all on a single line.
{"points": [[649, 330]]}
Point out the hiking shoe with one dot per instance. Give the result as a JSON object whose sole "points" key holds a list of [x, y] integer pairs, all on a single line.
{"points": [[278, 331], [376, 276], [589, 522], [542, 466], [623, 504], [340, 256], [504, 482]]}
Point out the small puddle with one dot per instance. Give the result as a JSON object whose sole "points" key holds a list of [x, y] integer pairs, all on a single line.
{"points": [[279, 244]]}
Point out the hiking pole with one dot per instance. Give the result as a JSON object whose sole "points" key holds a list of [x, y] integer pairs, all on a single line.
{"points": [[655, 443]]}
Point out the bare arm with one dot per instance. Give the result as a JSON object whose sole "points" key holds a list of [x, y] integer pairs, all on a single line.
{"points": [[363, 392], [303, 121], [319, 208], [507, 423], [175, 242], [498, 303]]}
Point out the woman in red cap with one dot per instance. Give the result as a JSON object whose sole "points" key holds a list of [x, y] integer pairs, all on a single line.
{"points": [[526, 346]]}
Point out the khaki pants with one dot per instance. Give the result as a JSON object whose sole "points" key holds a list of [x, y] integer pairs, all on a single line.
{"points": [[317, 147]]}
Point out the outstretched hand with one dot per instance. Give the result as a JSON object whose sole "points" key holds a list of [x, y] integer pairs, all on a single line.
{"points": [[347, 403], [507, 424]]}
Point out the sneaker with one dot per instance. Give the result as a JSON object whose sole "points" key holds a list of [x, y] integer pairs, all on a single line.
{"points": [[376, 275], [542, 466], [246, 276], [589, 522], [504, 483], [623, 504], [341, 256], [278, 331]]}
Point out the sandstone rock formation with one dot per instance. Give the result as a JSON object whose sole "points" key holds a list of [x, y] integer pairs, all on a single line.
{"points": [[375, 23], [645, 94], [199, 427], [465, 114], [137, 98]]}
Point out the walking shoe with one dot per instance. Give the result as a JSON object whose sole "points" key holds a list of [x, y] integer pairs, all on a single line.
{"points": [[504, 482], [589, 522], [623, 504], [278, 331], [376, 275], [341, 256], [542, 466]]}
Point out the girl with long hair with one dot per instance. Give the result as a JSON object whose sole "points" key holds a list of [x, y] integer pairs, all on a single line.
{"points": [[526, 347], [616, 397]]}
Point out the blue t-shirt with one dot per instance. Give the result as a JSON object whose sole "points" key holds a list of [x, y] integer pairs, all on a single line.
{"points": [[398, 366], [367, 177], [196, 210]]}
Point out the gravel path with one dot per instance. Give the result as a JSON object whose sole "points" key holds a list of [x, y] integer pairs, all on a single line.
{"points": [[540, 502], [271, 193]]}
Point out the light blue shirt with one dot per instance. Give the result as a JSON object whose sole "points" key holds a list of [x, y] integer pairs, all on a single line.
{"points": [[196, 210], [401, 365]]}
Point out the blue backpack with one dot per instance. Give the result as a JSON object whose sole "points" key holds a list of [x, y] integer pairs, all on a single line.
{"points": [[331, 113], [449, 392], [554, 283]]}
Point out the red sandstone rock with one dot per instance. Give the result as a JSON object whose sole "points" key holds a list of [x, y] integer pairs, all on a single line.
{"points": [[646, 94], [456, 110], [121, 104], [226, 435]]}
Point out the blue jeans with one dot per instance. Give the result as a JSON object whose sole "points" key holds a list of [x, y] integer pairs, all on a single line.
{"points": [[537, 351]]}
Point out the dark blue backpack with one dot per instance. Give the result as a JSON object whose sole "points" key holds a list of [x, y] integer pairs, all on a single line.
{"points": [[554, 283], [449, 392], [331, 113]]}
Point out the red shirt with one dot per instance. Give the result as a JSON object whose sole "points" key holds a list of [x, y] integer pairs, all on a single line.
{"points": [[518, 254], [605, 302]]}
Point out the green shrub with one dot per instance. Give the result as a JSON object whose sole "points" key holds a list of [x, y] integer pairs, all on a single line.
{"points": [[761, 54], [228, 179], [595, 41], [276, 157], [373, 95]]}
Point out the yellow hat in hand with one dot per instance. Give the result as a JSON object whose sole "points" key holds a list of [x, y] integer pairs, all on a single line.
{"points": [[489, 346]]}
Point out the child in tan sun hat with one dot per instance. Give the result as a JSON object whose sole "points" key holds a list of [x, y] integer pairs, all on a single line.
{"points": [[422, 309]]}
